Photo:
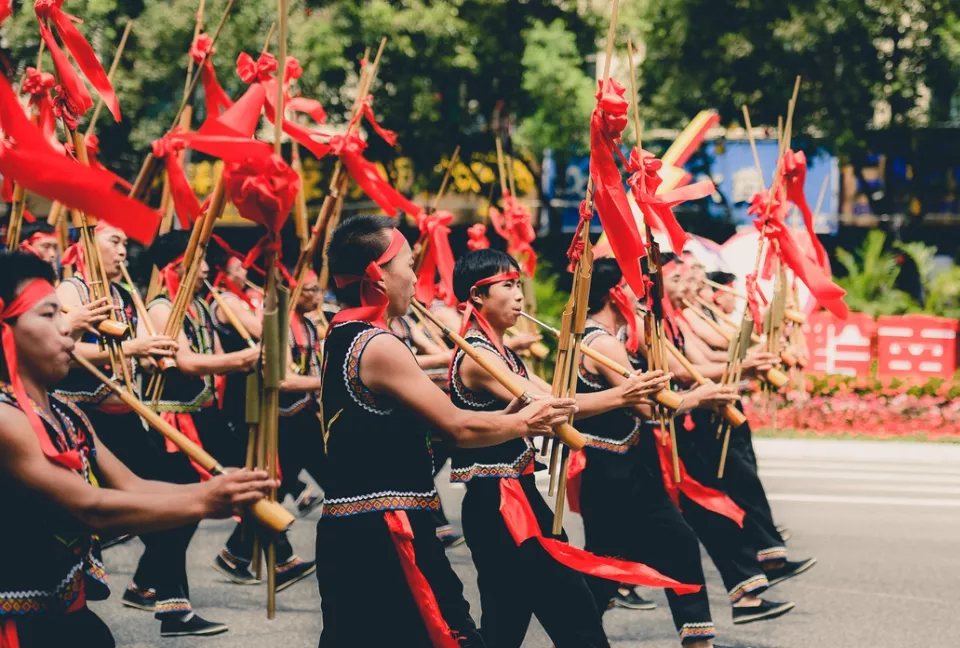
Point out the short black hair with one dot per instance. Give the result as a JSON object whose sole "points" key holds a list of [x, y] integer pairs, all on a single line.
{"points": [[168, 247], [17, 267], [721, 277], [606, 275], [477, 265], [39, 226], [357, 242]]}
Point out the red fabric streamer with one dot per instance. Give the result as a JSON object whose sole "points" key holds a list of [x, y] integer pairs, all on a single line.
{"points": [[184, 423], [214, 96], [31, 294], [575, 251], [74, 256], [477, 237], [514, 226], [657, 209], [29, 159], [578, 463], [6, 10], [8, 625], [263, 190], [292, 72], [523, 526], [435, 234], [185, 201], [708, 498], [49, 11], [794, 176], [92, 143], [441, 636], [609, 198], [627, 309], [754, 297], [38, 85], [829, 294], [373, 300]]}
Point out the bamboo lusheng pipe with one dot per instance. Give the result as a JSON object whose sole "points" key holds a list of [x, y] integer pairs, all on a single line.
{"points": [[164, 363], [774, 377], [668, 399], [567, 434], [270, 514], [335, 191], [109, 328], [795, 316], [98, 281], [735, 417], [788, 358], [230, 315]]}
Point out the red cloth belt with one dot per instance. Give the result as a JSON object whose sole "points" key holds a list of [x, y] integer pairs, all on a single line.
{"points": [[184, 423], [33, 293], [709, 498], [523, 526], [441, 636], [114, 408], [373, 300]]}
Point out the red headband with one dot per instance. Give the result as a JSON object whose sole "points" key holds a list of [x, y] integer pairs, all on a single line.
{"points": [[170, 279], [40, 236], [624, 304], [470, 312], [373, 300], [32, 294]]}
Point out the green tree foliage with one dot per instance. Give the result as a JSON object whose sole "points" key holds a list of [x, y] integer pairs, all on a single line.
{"points": [[447, 65], [850, 53]]}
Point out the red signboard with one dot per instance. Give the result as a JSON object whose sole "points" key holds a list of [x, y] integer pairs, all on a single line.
{"points": [[839, 346], [917, 345]]}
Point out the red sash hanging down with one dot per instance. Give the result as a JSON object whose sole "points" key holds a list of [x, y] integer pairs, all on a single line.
{"points": [[441, 636], [184, 423], [523, 526], [8, 633], [709, 498]]}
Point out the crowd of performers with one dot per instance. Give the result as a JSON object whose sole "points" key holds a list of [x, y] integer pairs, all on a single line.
{"points": [[373, 407]]}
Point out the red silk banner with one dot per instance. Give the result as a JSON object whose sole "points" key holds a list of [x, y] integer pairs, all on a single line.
{"points": [[38, 85], [435, 234], [708, 498], [185, 202], [522, 524], [609, 198], [514, 226], [214, 96], [795, 176], [29, 159], [50, 11], [657, 209], [441, 636]]}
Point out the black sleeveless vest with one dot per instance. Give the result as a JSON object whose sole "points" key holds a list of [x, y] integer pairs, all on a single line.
{"points": [[506, 460], [613, 431], [182, 393], [80, 386], [378, 452], [306, 362], [235, 384], [53, 560]]}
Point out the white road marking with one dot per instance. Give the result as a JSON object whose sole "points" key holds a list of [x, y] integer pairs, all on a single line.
{"points": [[811, 498]]}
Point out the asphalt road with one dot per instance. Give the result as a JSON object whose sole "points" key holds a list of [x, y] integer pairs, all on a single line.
{"points": [[882, 518]]}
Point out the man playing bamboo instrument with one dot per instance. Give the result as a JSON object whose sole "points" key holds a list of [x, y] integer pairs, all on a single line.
{"points": [[160, 582], [740, 480], [627, 508], [488, 284], [41, 239], [237, 328], [188, 402], [63, 484], [376, 404]]}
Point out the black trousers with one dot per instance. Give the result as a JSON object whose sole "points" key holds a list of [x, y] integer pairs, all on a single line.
{"points": [[518, 582], [81, 628], [240, 545], [163, 564], [301, 448], [357, 552], [727, 543], [628, 514], [742, 483]]}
